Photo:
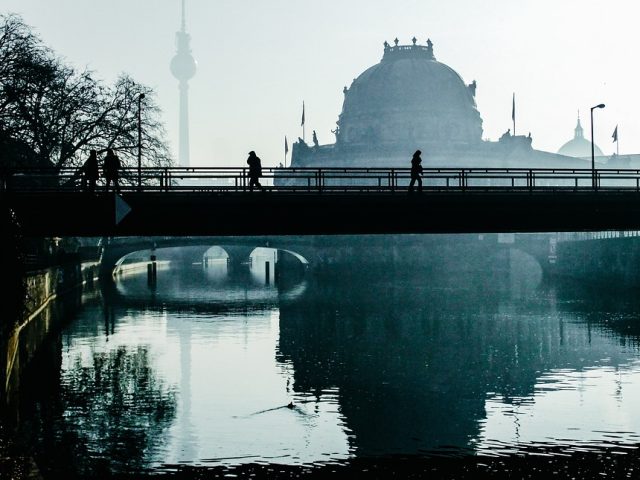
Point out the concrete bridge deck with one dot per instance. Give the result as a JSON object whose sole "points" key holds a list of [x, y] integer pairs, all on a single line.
{"points": [[77, 214], [328, 201]]}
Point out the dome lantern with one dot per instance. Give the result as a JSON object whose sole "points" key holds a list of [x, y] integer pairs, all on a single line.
{"points": [[579, 146]]}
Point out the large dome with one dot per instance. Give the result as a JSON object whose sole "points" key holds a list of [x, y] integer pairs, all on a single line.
{"points": [[410, 97], [579, 146]]}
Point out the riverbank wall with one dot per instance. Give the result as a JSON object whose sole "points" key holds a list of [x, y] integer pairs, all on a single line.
{"points": [[43, 287]]}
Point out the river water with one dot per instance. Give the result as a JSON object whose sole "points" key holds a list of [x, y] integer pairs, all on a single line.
{"points": [[217, 367]]}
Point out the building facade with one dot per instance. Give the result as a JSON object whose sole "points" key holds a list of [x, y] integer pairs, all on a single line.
{"points": [[411, 101]]}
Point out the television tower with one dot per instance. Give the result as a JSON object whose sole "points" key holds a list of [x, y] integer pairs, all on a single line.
{"points": [[183, 68]]}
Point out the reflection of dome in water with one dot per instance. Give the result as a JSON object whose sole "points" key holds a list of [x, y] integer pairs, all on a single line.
{"points": [[410, 96], [579, 146]]}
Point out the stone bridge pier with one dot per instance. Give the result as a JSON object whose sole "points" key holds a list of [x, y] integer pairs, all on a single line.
{"points": [[542, 247]]}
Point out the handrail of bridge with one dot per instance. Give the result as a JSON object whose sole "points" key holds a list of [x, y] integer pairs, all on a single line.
{"points": [[327, 180]]}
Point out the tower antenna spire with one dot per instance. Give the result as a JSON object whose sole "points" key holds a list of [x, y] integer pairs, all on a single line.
{"points": [[183, 68], [184, 22]]}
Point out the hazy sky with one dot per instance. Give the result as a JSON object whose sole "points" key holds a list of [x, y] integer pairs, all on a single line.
{"points": [[258, 60]]}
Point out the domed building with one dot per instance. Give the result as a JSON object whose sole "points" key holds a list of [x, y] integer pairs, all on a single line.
{"points": [[411, 101], [410, 97], [579, 146]]}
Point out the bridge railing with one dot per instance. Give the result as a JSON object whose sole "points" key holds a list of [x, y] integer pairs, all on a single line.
{"points": [[600, 235], [328, 180]]}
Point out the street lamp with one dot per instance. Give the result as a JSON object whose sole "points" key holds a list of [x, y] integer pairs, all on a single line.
{"points": [[593, 161], [140, 98]]}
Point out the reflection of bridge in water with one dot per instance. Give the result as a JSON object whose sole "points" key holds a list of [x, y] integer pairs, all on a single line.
{"points": [[217, 201]]}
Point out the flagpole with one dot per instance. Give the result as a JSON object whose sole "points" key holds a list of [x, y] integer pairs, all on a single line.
{"points": [[304, 138], [513, 113], [617, 142], [286, 150]]}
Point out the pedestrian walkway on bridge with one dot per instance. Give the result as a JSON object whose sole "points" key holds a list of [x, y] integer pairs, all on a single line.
{"points": [[301, 201]]}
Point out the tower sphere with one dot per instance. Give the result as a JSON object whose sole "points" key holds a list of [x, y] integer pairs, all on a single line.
{"points": [[183, 66]]}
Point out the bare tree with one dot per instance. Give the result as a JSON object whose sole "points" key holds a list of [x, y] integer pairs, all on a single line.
{"points": [[57, 114], [120, 124], [19, 54]]}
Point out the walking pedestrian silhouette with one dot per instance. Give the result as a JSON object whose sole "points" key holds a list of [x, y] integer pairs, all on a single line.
{"points": [[112, 170], [416, 171], [90, 172], [255, 171]]}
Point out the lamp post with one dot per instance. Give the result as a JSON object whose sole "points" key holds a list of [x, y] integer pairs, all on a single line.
{"points": [[594, 183], [140, 98]]}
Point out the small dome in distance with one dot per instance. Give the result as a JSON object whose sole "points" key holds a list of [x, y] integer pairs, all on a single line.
{"points": [[579, 146]]}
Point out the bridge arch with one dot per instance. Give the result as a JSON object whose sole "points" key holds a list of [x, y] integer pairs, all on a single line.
{"points": [[117, 251], [216, 252], [302, 259]]}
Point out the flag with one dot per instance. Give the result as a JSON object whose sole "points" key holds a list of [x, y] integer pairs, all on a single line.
{"points": [[615, 134], [302, 122], [513, 108], [286, 145]]}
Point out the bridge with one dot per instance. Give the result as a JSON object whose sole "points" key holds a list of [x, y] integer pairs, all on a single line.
{"points": [[311, 201], [326, 251]]}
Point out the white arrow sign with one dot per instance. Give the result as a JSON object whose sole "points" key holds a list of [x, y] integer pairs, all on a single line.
{"points": [[122, 208]]}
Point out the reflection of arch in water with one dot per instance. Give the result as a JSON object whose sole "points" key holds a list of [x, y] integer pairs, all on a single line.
{"points": [[194, 289]]}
